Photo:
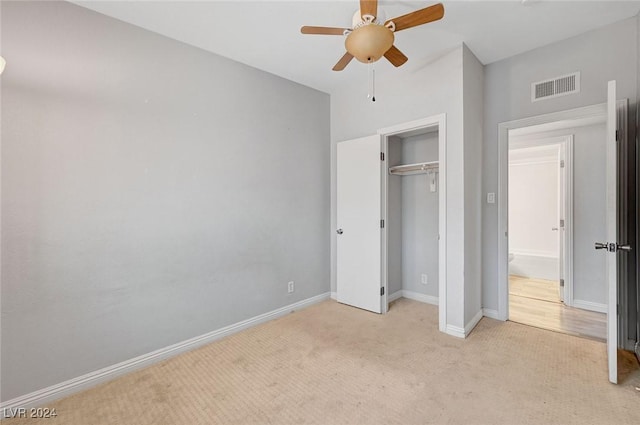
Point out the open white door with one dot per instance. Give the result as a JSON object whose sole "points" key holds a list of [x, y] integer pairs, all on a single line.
{"points": [[358, 207], [611, 246]]}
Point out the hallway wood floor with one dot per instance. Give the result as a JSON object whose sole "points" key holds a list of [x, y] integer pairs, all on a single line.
{"points": [[535, 302]]}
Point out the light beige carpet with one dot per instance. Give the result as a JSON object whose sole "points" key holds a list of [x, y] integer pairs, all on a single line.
{"points": [[333, 364]]}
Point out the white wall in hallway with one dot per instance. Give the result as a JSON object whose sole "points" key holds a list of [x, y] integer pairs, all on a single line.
{"points": [[533, 203]]}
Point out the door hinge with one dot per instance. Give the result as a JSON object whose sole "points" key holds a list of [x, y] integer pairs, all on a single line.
{"points": [[562, 283], [562, 163], [561, 223], [381, 156], [382, 224], [617, 135], [382, 291]]}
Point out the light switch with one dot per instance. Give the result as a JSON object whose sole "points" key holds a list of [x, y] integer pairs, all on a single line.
{"points": [[491, 198]]}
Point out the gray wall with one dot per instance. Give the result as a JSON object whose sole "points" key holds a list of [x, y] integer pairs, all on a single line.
{"points": [[151, 192], [419, 218], [473, 99], [507, 97]]}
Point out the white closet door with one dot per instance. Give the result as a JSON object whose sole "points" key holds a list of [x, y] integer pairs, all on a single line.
{"points": [[358, 208]]}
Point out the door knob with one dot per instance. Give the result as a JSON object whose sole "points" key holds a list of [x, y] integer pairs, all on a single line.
{"points": [[554, 229], [600, 245], [339, 231], [624, 247]]}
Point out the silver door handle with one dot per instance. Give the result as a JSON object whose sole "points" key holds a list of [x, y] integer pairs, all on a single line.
{"points": [[554, 229], [624, 247], [339, 231], [600, 245]]}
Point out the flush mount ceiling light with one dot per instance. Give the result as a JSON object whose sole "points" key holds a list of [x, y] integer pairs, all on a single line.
{"points": [[3, 63], [372, 37]]}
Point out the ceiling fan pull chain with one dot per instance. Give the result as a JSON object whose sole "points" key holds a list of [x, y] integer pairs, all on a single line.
{"points": [[373, 83], [368, 80]]}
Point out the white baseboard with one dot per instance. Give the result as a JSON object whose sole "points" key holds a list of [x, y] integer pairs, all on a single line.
{"points": [[456, 331], [403, 293], [589, 305], [416, 296], [535, 265], [394, 296], [492, 314], [459, 332], [63, 389], [472, 323]]}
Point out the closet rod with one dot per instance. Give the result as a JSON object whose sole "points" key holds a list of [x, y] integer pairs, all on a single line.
{"points": [[419, 168]]}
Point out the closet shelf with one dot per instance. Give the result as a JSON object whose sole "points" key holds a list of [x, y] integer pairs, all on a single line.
{"points": [[419, 168]]}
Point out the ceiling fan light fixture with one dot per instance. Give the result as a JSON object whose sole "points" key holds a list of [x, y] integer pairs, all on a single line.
{"points": [[372, 37], [369, 43]]}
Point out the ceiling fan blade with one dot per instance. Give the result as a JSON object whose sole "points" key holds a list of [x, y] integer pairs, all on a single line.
{"points": [[343, 62], [369, 7], [395, 56], [323, 30], [419, 17]]}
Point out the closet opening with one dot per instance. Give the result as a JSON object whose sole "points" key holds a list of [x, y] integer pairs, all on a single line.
{"points": [[412, 217], [414, 183]]}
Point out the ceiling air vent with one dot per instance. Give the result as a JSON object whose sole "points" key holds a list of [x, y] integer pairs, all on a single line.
{"points": [[554, 87]]}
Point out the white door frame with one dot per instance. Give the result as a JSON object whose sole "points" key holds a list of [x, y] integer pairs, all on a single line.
{"points": [[565, 119], [436, 122], [566, 143]]}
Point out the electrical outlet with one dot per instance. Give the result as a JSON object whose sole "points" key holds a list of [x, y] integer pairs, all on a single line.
{"points": [[291, 287], [424, 279]]}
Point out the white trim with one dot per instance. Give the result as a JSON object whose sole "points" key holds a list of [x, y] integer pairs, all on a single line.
{"points": [[459, 332], [395, 296], [433, 121], [564, 119], [456, 331], [473, 322], [567, 257], [490, 313], [423, 298], [334, 295], [590, 305], [438, 122], [63, 389], [534, 253], [524, 162]]}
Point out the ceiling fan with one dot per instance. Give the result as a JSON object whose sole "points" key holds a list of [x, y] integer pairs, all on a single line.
{"points": [[371, 37]]}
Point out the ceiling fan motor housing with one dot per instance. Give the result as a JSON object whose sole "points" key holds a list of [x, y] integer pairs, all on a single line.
{"points": [[369, 43]]}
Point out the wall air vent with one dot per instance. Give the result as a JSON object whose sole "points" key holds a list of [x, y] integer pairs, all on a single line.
{"points": [[554, 87]]}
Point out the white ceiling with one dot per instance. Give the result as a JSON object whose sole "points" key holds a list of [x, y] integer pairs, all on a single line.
{"points": [[266, 34]]}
